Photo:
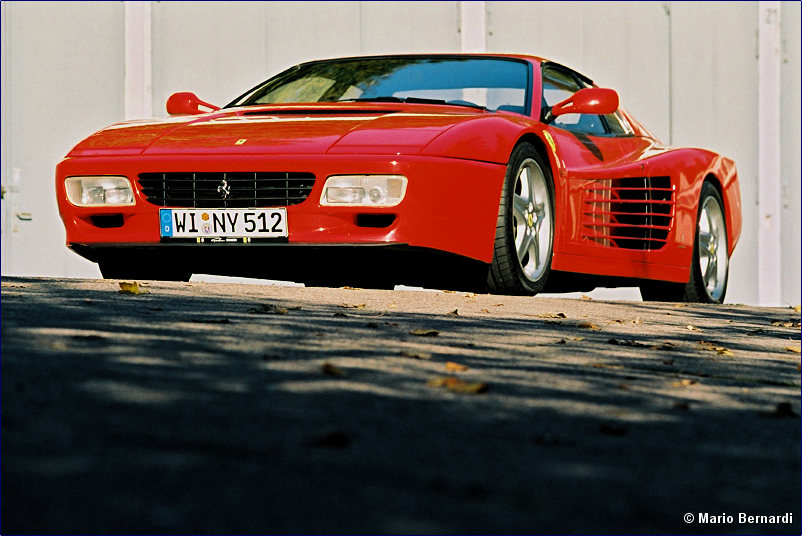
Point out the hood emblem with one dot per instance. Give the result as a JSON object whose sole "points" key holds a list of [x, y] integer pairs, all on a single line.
{"points": [[224, 189], [240, 141]]}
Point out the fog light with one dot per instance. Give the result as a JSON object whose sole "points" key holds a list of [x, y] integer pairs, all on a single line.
{"points": [[364, 190], [100, 191]]}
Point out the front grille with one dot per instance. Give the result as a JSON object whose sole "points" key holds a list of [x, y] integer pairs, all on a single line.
{"points": [[628, 213], [226, 190]]}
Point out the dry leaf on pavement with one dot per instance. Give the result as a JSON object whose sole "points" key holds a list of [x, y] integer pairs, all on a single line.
{"points": [[689, 327], [551, 315], [131, 287], [332, 370], [415, 355], [792, 349], [455, 367], [425, 332], [588, 325]]}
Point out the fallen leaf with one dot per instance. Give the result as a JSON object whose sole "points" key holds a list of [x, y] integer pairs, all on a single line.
{"points": [[456, 385], [792, 349], [470, 294], [623, 386], [551, 315], [628, 342], [392, 305], [584, 297], [352, 306], [723, 351], [340, 314], [680, 305], [332, 370], [588, 325], [372, 325], [485, 311], [756, 332], [425, 332], [692, 328], [438, 382], [785, 324], [455, 312], [269, 309], [350, 288], [131, 287], [455, 367], [684, 382], [798, 308], [473, 388], [637, 321], [387, 323], [665, 345], [415, 355], [202, 320], [449, 291]]}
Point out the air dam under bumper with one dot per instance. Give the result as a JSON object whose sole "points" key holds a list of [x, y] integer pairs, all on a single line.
{"points": [[365, 265]]}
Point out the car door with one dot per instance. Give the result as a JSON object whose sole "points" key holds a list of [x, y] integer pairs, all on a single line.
{"points": [[613, 209]]}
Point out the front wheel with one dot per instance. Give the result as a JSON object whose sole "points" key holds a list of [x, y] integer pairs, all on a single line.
{"points": [[710, 266], [525, 226]]}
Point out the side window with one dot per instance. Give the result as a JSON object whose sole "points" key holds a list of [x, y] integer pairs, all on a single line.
{"points": [[558, 85]]}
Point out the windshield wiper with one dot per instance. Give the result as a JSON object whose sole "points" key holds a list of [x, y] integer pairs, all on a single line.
{"points": [[416, 100]]}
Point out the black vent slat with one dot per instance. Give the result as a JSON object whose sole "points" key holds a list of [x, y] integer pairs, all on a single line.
{"points": [[254, 189], [628, 213]]}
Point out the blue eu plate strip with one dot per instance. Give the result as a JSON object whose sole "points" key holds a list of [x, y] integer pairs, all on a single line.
{"points": [[166, 221]]}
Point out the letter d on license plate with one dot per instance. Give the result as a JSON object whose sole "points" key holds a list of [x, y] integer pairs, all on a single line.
{"points": [[223, 223]]}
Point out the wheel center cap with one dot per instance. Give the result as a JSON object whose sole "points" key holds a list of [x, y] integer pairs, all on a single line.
{"points": [[530, 220]]}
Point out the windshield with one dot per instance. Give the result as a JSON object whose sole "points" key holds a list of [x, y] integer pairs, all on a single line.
{"points": [[492, 83]]}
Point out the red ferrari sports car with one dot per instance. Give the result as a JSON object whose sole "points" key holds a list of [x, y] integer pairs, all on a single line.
{"points": [[507, 173]]}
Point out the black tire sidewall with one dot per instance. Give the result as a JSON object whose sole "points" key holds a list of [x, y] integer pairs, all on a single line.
{"points": [[697, 282], [522, 153]]}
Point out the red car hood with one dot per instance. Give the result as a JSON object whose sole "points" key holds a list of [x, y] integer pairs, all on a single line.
{"points": [[339, 129]]}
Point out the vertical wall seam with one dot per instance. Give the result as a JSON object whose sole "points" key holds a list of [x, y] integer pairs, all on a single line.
{"points": [[473, 26], [138, 60], [769, 262]]}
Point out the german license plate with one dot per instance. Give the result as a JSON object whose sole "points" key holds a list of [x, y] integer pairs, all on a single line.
{"points": [[223, 223]]}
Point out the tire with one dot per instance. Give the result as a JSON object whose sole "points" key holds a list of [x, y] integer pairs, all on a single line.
{"points": [[120, 269], [525, 226], [710, 265]]}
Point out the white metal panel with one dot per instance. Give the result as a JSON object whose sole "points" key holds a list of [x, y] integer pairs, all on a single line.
{"points": [[302, 31], [65, 82], [715, 97], [213, 49], [769, 250], [790, 148], [138, 68], [396, 27], [623, 45]]}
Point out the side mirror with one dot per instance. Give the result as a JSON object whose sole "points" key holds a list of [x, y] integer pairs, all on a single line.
{"points": [[186, 103], [590, 100]]}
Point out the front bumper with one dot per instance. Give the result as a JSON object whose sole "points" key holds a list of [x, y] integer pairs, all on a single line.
{"points": [[451, 205]]}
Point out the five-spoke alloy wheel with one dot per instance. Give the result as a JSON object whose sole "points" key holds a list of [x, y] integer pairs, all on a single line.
{"points": [[525, 226]]}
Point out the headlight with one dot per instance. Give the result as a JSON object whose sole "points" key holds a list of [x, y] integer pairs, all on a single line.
{"points": [[99, 191], [364, 190]]}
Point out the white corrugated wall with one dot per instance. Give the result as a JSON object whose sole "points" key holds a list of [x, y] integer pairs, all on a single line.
{"points": [[688, 70]]}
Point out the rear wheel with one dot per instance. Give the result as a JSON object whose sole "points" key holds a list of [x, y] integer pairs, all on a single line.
{"points": [[525, 226], [710, 265]]}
